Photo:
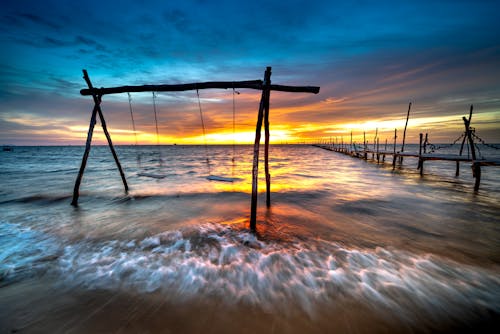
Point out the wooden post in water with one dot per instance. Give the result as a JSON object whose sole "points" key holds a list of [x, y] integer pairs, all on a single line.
{"points": [[76, 189], [364, 144], [266, 135], [255, 168], [404, 134], [378, 154], [394, 153], [97, 108], [385, 150], [476, 166], [420, 159], [425, 142], [350, 147], [457, 172]]}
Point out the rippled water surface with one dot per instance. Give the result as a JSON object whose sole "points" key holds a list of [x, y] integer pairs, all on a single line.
{"points": [[346, 246]]}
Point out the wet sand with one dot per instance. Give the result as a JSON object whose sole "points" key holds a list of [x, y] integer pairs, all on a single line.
{"points": [[37, 306]]}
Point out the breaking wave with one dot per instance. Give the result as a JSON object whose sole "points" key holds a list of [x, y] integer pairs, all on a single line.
{"points": [[218, 260], [236, 266]]}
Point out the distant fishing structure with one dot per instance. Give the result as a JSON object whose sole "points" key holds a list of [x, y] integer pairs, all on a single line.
{"points": [[262, 117], [468, 136]]}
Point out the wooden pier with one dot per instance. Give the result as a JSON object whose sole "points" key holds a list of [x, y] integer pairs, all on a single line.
{"points": [[379, 156]]}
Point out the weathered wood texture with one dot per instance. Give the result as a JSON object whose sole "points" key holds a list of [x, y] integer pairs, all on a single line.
{"points": [[97, 101], [476, 167], [404, 133], [263, 116], [255, 168], [250, 84], [97, 109], [76, 189], [266, 144]]}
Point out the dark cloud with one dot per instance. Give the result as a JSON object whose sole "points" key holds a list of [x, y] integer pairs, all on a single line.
{"points": [[90, 43], [370, 58], [36, 19], [65, 84], [50, 42], [39, 20]]}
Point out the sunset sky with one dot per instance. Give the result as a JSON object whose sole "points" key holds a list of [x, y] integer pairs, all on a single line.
{"points": [[370, 58]]}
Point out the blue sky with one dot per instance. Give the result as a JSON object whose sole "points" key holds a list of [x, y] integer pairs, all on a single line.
{"points": [[369, 57]]}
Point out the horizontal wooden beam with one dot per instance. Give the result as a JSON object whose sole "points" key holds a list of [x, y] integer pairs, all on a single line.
{"points": [[295, 89], [253, 84], [250, 84]]}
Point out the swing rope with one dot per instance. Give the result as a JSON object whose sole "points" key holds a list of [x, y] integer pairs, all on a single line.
{"points": [[234, 122], [204, 132], [132, 116], [156, 124], [134, 129]]}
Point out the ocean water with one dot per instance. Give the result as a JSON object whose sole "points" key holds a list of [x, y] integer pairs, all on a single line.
{"points": [[346, 246]]}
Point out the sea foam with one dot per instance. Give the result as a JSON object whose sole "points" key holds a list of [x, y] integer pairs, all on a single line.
{"points": [[214, 259]]}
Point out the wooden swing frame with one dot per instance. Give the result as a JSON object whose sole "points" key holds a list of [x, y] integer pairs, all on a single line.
{"points": [[263, 117]]}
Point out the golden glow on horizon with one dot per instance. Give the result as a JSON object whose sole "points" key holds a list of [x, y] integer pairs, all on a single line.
{"points": [[246, 137], [287, 126], [288, 133]]}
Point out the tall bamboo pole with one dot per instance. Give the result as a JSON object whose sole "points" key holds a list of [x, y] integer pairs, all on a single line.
{"points": [[404, 133]]}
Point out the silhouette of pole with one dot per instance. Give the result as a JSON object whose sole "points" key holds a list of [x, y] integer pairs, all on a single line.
{"points": [[404, 134], [255, 168]]}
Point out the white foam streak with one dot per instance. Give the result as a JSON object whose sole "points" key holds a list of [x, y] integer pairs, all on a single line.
{"points": [[215, 260], [23, 250]]}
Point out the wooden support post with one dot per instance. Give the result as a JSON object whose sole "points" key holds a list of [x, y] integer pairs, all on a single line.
{"points": [[385, 150], [364, 144], [394, 153], [97, 100], [111, 147], [477, 174], [476, 166], [378, 154], [76, 189], [97, 109], [350, 147], [457, 172], [420, 159], [425, 142], [404, 134], [255, 168], [266, 146]]}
